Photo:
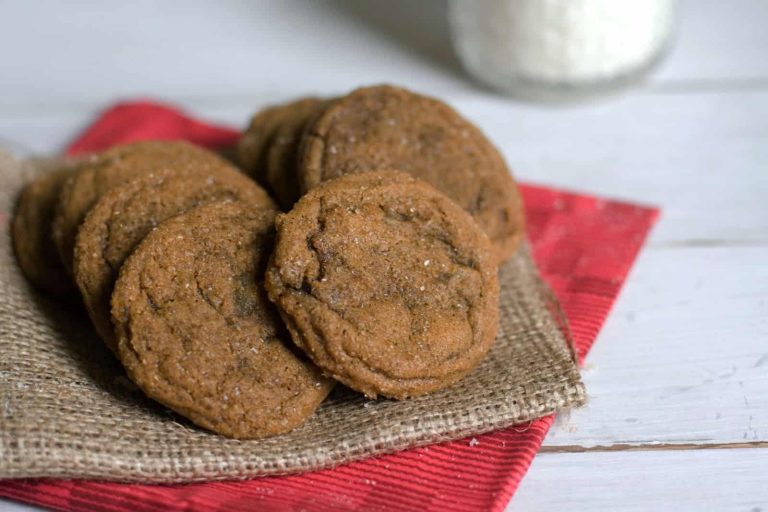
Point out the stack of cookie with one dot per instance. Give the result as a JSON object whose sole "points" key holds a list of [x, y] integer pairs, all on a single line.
{"points": [[167, 244], [382, 273], [291, 148]]}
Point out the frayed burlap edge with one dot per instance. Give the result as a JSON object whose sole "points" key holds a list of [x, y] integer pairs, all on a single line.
{"points": [[68, 411]]}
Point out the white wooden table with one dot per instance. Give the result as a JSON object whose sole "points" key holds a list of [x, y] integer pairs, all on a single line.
{"points": [[678, 378]]}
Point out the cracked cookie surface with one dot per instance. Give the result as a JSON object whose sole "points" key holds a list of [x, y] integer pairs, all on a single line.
{"points": [[124, 215], [111, 168], [386, 127], [197, 333], [385, 283]]}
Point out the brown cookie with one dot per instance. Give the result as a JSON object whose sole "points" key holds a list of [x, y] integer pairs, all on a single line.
{"points": [[281, 171], [387, 127], [114, 167], [124, 215], [254, 144], [385, 283], [31, 229], [196, 332]]}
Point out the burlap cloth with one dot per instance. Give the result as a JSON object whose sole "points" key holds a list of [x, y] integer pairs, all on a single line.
{"points": [[67, 409]]}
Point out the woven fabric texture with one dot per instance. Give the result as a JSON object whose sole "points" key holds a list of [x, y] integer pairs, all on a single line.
{"points": [[70, 412]]}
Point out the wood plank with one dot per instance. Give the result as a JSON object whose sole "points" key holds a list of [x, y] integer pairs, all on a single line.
{"points": [[12, 506], [701, 157], [683, 358], [717, 480], [96, 52]]}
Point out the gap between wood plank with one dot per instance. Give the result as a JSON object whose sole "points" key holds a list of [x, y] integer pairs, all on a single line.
{"points": [[708, 242], [79, 106], [623, 447]]}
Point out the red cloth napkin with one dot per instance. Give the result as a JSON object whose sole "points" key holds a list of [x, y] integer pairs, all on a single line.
{"points": [[584, 247]]}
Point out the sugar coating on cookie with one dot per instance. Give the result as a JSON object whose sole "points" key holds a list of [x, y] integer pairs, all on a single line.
{"points": [[124, 215], [387, 127], [32, 237], [385, 283], [113, 167], [197, 333]]}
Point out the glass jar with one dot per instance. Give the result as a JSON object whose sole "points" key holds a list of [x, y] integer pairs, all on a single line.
{"points": [[560, 50]]}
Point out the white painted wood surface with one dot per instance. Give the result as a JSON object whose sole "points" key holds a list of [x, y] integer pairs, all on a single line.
{"points": [[675, 480], [683, 358]]}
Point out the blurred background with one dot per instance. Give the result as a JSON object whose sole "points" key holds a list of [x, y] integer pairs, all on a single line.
{"points": [[64, 62], [231, 54]]}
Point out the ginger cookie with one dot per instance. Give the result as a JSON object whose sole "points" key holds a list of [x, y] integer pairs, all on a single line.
{"points": [[252, 147], [197, 333], [114, 167], [255, 141], [281, 172], [32, 237], [124, 215], [387, 127], [385, 283]]}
